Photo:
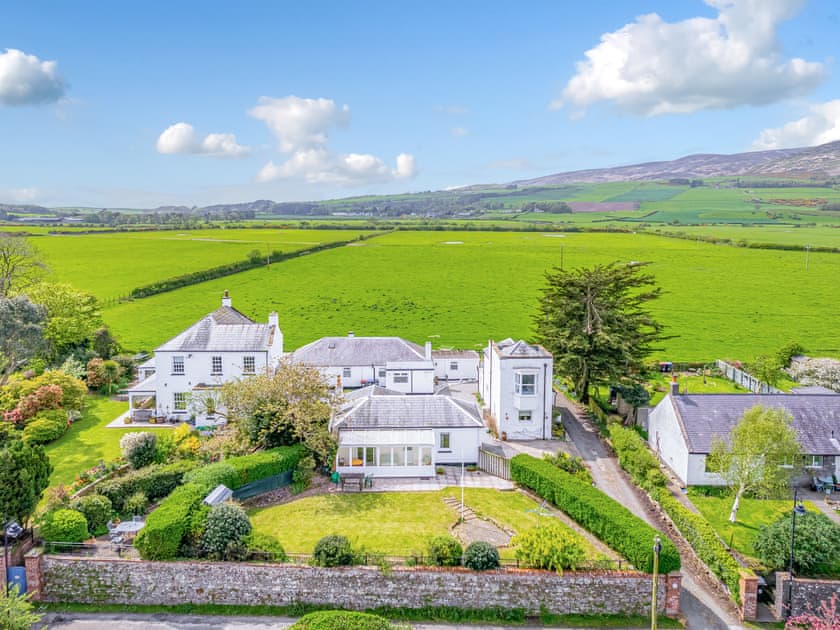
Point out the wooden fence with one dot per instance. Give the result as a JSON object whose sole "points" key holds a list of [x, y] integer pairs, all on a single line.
{"points": [[494, 464]]}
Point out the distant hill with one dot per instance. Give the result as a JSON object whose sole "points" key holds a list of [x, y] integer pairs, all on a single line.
{"points": [[809, 162]]}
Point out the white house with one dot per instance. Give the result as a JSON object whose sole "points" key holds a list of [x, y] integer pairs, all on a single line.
{"points": [[391, 434], [391, 362], [455, 365], [515, 381], [681, 429], [220, 347]]}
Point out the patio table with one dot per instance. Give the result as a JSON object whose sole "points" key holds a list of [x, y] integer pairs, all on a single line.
{"points": [[130, 527]]}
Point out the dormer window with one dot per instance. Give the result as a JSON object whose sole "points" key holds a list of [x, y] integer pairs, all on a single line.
{"points": [[177, 365], [525, 384]]}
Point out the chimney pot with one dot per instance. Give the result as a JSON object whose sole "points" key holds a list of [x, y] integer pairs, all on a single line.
{"points": [[350, 334], [226, 301], [675, 387], [274, 319], [428, 351]]}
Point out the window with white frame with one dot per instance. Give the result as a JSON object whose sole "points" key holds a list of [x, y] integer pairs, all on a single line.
{"points": [[525, 384], [249, 365], [453, 365], [347, 372], [814, 461], [381, 372], [216, 363], [179, 401], [444, 441], [525, 416], [177, 365], [401, 377]]}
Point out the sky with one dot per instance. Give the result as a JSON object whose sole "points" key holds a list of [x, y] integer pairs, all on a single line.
{"points": [[136, 105]]}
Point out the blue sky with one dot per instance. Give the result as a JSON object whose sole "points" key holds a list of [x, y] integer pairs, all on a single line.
{"points": [[144, 104]]}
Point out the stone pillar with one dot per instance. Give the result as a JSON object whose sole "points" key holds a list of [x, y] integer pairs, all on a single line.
{"points": [[3, 572], [673, 584], [781, 594], [34, 573], [748, 587]]}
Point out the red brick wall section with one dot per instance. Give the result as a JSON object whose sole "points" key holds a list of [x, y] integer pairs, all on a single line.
{"points": [[117, 581], [748, 585]]}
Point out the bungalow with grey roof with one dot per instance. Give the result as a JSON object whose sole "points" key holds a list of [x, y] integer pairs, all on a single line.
{"points": [[681, 429]]}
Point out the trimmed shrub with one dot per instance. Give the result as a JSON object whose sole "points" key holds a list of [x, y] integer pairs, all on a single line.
{"points": [[606, 518], [226, 523], [481, 556], [265, 463], [572, 465], [165, 528], [445, 551], [137, 503], [154, 481], [266, 544], [97, 511], [341, 620], [64, 526], [636, 458], [43, 430], [212, 475], [549, 546], [332, 551], [139, 449]]}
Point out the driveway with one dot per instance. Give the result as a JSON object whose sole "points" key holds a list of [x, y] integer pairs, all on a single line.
{"points": [[702, 607]]}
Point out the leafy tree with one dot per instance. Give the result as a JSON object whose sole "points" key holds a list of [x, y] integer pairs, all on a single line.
{"points": [[595, 322], [767, 368], [788, 351], [445, 551], [104, 344], [753, 458], [16, 611], [72, 316], [292, 404], [21, 333], [549, 546], [24, 474], [20, 265], [817, 543], [111, 371]]}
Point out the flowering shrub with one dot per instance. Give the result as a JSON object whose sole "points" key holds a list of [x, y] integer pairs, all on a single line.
{"points": [[139, 449], [43, 398]]}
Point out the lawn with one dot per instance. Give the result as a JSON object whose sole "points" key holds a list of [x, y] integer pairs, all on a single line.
{"points": [[693, 384], [87, 441], [461, 288], [394, 523], [752, 514]]}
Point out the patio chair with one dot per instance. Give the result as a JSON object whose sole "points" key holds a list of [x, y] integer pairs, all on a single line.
{"points": [[817, 484]]}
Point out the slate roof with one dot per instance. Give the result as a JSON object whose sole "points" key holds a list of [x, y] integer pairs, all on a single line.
{"points": [[816, 418], [225, 329], [347, 351], [364, 392], [508, 348], [415, 411], [454, 354]]}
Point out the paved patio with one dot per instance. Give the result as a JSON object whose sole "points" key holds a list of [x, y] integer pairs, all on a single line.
{"points": [[119, 423], [451, 477]]}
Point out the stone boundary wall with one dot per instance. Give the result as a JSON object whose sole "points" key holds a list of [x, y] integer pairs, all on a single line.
{"points": [[116, 581], [804, 593]]}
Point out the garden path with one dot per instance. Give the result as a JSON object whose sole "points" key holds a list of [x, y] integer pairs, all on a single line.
{"points": [[703, 605]]}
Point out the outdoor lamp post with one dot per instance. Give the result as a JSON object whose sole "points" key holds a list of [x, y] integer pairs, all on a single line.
{"points": [[657, 548], [798, 508], [10, 530]]}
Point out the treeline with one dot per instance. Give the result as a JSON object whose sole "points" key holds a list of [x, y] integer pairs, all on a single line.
{"points": [[785, 183], [717, 240]]}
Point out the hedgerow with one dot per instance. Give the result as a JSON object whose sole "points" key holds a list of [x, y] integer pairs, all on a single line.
{"points": [[155, 481], [265, 463], [165, 527], [643, 467], [606, 518]]}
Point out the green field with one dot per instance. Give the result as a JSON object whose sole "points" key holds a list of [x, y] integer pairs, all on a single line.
{"points": [[110, 265], [461, 288]]}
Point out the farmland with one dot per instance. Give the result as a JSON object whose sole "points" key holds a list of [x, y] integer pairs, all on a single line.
{"points": [[110, 265], [461, 288]]}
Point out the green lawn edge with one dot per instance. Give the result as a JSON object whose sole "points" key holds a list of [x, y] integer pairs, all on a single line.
{"points": [[447, 614]]}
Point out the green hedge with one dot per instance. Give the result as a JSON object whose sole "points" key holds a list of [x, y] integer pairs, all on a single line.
{"points": [[265, 463], [607, 519], [212, 475], [341, 620], [43, 430], [166, 527], [155, 481], [643, 467]]}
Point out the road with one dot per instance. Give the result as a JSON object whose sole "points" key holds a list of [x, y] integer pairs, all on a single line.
{"points": [[703, 608]]}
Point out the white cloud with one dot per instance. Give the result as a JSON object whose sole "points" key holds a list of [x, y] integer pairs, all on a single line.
{"points": [[820, 125], [302, 126], [26, 80], [459, 132], [653, 67], [181, 139]]}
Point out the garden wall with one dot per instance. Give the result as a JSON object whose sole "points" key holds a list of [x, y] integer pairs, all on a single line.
{"points": [[804, 594], [116, 581]]}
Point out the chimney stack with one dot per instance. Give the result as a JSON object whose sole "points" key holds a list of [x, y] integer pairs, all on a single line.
{"points": [[226, 301], [675, 386], [274, 319], [350, 334], [428, 351]]}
